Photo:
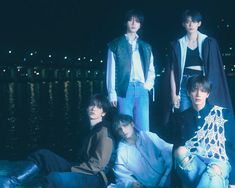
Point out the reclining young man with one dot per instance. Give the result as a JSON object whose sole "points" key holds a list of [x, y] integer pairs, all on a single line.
{"points": [[143, 160], [92, 166]]}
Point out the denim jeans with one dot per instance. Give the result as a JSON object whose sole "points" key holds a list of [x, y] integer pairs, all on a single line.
{"points": [[197, 173], [136, 104], [185, 101], [74, 180]]}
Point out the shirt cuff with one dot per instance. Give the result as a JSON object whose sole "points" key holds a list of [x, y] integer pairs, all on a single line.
{"points": [[112, 96], [148, 86]]}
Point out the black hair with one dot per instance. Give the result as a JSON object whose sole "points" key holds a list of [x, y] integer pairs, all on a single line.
{"points": [[121, 120], [194, 14], [198, 81], [134, 13], [100, 101]]}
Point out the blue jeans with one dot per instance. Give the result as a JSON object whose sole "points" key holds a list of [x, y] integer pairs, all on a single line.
{"points": [[74, 180], [197, 173], [185, 101], [136, 104]]}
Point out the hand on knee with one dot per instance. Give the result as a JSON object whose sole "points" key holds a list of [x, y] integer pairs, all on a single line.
{"points": [[181, 155], [214, 170]]}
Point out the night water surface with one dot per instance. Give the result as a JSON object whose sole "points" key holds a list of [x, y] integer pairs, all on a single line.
{"points": [[50, 115]]}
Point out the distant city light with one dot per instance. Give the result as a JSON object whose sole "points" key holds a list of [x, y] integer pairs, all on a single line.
{"points": [[84, 57], [4, 70], [101, 61], [90, 60], [65, 57], [31, 54], [79, 59], [227, 25], [68, 71], [230, 48], [9, 51], [49, 55]]}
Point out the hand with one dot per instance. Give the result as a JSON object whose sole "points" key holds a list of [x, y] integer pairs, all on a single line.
{"points": [[113, 103], [231, 186], [176, 101], [136, 185]]}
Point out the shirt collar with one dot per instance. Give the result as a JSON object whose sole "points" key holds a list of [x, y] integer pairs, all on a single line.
{"points": [[134, 41], [203, 112]]}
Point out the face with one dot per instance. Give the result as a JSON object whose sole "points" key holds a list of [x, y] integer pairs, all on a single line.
{"points": [[95, 112], [191, 26], [198, 97], [133, 25], [126, 132]]}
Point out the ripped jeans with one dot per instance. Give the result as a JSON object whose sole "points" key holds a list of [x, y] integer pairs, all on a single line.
{"points": [[195, 173]]}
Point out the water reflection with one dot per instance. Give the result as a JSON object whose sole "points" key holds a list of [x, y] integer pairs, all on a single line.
{"points": [[48, 114], [43, 114]]}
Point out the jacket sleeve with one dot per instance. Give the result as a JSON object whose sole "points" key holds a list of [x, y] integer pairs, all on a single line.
{"points": [[123, 176], [151, 75], [110, 76], [230, 145], [166, 150], [100, 153]]}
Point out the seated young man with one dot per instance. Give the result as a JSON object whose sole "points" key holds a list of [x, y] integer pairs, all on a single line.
{"points": [[143, 159], [203, 137], [89, 171]]}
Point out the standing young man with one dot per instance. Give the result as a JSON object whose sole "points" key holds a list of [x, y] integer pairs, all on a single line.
{"points": [[130, 72], [93, 163], [203, 137], [143, 158]]}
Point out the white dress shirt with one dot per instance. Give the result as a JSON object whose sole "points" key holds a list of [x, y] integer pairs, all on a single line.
{"points": [[136, 74]]}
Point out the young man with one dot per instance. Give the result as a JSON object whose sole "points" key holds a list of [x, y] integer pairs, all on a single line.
{"points": [[204, 144], [130, 72], [91, 168], [194, 54], [143, 159]]}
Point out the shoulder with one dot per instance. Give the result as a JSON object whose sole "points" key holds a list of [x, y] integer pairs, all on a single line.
{"points": [[103, 129], [122, 149], [210, 41], [144, 43], [227, 113], [116, 41], [183, 116], [175, 44]]}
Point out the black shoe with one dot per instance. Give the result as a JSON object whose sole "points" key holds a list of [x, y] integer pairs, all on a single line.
{"points": [[23, 174]]}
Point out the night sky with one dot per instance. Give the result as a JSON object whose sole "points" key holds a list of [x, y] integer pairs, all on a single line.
{"points": [[87, 25]]}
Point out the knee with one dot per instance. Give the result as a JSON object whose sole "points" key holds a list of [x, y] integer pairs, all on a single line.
{"points": [[214, 170], [182, 156]]}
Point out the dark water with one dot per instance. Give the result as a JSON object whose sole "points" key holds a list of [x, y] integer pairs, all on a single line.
{"points": [[43, 114], [49, 115]]}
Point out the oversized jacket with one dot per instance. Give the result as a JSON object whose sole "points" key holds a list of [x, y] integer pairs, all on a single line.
{"points": [[97, 150], [123, 55], [213, 70]]}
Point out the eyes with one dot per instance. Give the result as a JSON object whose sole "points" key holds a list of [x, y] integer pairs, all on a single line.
{"points": [[134, 19], [199, 89]]}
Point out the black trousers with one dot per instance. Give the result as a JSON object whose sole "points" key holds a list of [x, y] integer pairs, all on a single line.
{"points": [[48, 161], [59, 172]]}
